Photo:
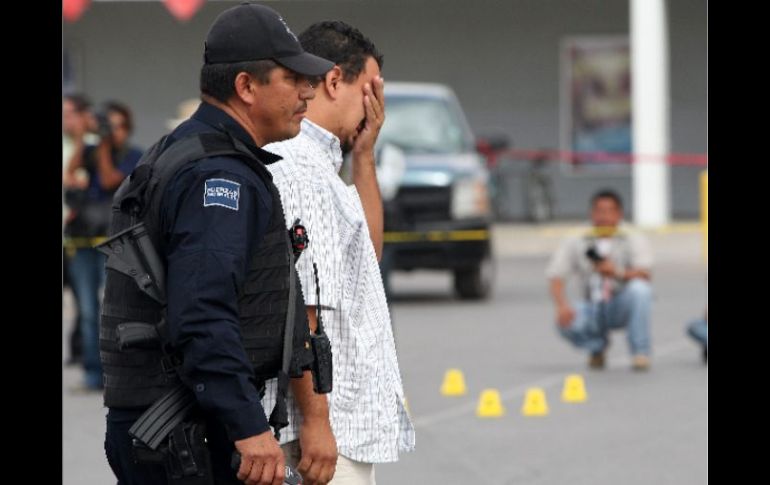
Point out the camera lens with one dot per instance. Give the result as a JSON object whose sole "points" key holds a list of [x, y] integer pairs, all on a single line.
{"points": [[104, 129]]}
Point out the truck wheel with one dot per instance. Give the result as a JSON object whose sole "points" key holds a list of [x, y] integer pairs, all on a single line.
{"points": [[475, 283]]}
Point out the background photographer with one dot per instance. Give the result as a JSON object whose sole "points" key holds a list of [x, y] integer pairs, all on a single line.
{"points": [[613, 266], [75, 120], [92, 174]]}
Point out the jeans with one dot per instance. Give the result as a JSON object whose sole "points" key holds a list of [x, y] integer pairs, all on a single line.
{"points": [[86, 271], [629, 308], [699, 330], [75, 337]]}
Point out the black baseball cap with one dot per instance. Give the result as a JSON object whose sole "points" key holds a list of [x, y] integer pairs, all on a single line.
{"points": [[251, 32]]}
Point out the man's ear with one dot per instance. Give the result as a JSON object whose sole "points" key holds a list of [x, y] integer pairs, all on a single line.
{"points": [[245, 90], [332, 81]]}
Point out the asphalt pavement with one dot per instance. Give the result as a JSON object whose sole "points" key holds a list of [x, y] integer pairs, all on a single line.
{"points": [[634, 429]]}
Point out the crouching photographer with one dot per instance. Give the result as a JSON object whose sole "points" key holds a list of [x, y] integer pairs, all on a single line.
{"points": [[92, 174]]}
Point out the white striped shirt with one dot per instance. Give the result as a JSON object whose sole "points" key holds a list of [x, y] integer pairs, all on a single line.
{"points": [[366, 405]]}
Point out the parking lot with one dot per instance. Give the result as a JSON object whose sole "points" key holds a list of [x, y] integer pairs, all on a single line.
{"points": [[635, 428]]}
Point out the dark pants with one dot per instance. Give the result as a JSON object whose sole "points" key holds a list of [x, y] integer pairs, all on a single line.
{"points": [[117, 445]]}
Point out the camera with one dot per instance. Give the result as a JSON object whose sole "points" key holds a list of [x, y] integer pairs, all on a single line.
{"points": [[593, 255], [103, 127]]}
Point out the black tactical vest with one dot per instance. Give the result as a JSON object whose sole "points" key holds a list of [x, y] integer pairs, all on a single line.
{"points": [[138, 377]]}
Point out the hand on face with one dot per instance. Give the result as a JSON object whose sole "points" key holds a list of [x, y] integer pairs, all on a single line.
{"points": [[374, 109]]}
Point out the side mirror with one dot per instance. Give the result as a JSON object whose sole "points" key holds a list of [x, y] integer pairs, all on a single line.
{"points": [[489, 147], [494, 142], [391, 165]]}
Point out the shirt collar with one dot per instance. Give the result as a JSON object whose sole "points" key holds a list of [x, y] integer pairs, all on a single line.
{"points": [[327, 139], [220, 120], [621, 230]]}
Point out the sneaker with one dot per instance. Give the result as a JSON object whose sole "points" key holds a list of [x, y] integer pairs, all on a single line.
{"points": [[596, 360], [640, 362]]}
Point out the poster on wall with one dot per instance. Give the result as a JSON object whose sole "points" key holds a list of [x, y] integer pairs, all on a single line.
{"points": [[596, 103]]}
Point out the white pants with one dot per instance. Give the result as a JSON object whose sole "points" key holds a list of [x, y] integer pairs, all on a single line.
{"points": [[351, 472], [348, 472]]}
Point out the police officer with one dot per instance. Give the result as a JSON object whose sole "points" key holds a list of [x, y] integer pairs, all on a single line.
{"points": [[217, 223]]}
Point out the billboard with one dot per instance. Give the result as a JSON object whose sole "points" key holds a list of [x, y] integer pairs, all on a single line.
{"points": [[596, 102]]}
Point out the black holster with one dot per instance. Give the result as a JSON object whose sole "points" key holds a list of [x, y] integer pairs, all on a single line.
{"points": [[184, 456]]}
